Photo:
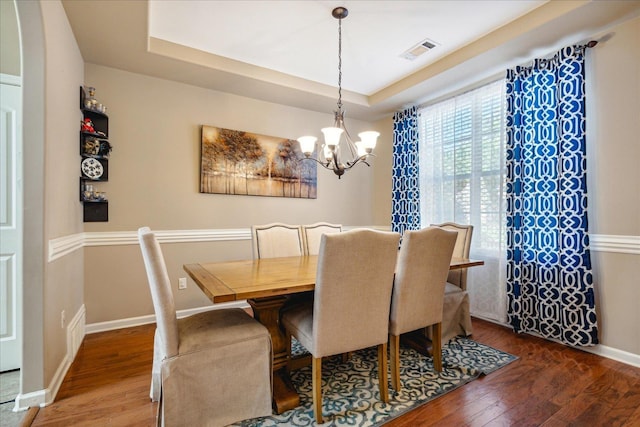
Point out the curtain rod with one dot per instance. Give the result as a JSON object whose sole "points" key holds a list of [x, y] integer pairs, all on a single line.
{"points": [[486, 81]]}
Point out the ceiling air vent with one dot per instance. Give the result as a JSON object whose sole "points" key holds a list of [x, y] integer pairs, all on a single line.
{"points": [[419, 49]]}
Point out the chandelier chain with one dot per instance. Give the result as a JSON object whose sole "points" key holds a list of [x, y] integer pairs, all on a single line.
{"points": [[340, 64]]}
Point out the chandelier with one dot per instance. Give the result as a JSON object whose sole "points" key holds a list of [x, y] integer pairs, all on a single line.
{"points": [[332, 154]]}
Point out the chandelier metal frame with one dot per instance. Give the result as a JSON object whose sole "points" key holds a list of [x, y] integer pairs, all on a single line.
{"points": [[328, 155]]}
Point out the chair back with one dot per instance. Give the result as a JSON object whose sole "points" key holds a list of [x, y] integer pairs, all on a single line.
{"points": [[160, 286], [276, 240], [463, 244], [312, 235], [421, 274], [353, 290]]}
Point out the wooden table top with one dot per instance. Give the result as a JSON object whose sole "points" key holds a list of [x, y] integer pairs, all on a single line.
{"points": [[261, 278]]}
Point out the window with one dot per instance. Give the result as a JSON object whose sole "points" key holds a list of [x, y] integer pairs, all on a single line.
{"points": [[462, 176]]}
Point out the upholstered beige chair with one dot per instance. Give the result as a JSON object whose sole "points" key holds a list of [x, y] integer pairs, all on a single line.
{"points": [[456, 318], [351, 304], [276, 240], [312, 233], [211, 368], [418, 290]]}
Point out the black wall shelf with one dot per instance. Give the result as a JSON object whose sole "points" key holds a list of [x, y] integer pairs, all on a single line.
{"points": [[94, 163]]}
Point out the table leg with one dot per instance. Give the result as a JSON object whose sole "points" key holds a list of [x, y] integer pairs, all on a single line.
{"points": [[418, 340], [267, 312]]}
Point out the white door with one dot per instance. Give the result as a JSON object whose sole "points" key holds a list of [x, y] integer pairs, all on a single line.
{"points": [[10, 223]]}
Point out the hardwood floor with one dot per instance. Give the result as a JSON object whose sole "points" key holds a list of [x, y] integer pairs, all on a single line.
{"points": [[550, 385]]}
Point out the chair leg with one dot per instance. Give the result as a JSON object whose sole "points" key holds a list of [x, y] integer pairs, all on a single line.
{"points": [[437, 346], [395, 361], [382, 372], [316, 374]]}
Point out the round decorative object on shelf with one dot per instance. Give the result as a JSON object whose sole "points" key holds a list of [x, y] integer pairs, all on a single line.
{"points": [[92, 168]]}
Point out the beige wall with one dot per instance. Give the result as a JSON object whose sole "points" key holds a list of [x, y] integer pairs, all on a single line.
{"points": [[10, 52], [63, 285], [154, 127], [382, 180], [613, 129]]}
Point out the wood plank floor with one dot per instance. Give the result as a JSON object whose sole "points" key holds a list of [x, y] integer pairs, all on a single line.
{"points": [[550, 385]]}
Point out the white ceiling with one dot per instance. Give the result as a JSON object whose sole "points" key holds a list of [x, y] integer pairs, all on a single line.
{"points": [[286, 51], [300, 38]]}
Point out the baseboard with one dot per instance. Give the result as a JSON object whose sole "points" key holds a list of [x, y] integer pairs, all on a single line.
{"points": [[599, 350], [29, 400], [46, 396], [614, 354], [76, 331], [75, 335], [111, 325]]}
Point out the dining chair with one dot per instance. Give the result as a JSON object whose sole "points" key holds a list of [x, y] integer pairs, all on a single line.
{"points": [[418, 291], [276, 240], [350, 309], [456, 318], [212, 368], [312, 233]]}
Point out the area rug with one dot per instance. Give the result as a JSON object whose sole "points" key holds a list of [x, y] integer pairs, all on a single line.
{"points": [[350, 390]]}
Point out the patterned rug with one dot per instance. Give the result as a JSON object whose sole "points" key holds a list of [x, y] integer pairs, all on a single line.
{"points": [[350, 390]]}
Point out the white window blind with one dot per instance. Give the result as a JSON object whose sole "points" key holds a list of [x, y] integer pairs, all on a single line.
{"points": [[462, 176]]}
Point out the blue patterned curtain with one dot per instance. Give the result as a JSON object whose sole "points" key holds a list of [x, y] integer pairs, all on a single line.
{"points": [[549, 278], [405, 212]]}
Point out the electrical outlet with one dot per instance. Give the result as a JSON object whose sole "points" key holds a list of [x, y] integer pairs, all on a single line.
{"points": [[63, 319], [182, 283]]}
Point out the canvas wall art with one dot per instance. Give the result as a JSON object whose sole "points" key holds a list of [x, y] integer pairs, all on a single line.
{"points": [[238, 162]]}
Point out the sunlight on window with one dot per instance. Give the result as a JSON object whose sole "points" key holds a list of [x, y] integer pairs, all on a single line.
{"points": [[462, 176]]}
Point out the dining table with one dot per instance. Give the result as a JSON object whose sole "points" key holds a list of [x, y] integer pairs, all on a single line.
{"points": [[266, 284]]}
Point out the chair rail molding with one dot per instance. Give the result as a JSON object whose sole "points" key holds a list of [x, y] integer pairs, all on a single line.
{"points": [[65, 245], [615, 243]]}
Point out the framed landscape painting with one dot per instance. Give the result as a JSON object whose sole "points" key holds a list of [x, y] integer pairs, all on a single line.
{"points": [[238, 162]]}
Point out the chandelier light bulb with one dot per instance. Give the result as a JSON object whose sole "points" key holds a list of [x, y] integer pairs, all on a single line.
{"points": [[332, 136], [328, 153], [369, 139], [307, 144]]}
